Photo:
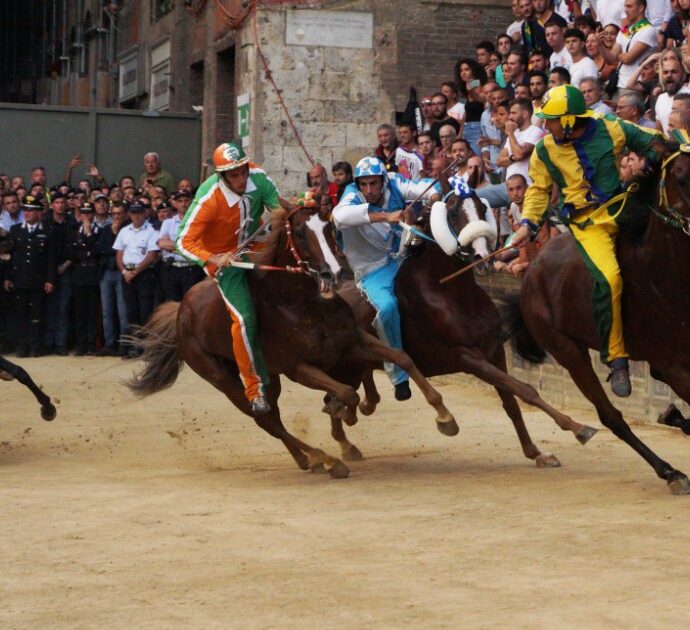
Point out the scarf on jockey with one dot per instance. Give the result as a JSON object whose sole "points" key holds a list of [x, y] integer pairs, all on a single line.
{"points": [[629, 31]]}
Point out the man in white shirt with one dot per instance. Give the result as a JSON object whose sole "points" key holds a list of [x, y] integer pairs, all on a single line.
{"points": [[560, 57], [673, 81], [633, 44], [582, 65], [178, 274], [137, 250], [659, 12], [515, 29], [522, 137], [608, 11], [592, 91], [11, 210]]}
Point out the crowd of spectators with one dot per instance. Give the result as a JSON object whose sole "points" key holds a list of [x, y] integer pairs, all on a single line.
{"points": [[88, 262], [91, 260], [628, 57]]}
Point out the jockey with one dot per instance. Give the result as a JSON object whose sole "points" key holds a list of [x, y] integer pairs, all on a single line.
{"points": [[581, 156], [220, 225], [365, 215]]}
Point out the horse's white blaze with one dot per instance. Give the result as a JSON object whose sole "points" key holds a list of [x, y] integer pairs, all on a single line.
{"points": [[470, 209], [317, 225], [481, 247]]}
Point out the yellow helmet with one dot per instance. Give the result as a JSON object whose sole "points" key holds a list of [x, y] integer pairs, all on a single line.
{"points": [[565, 102]]}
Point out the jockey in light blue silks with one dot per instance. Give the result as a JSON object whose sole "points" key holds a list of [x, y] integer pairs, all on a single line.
{"points": [[366, 214]]}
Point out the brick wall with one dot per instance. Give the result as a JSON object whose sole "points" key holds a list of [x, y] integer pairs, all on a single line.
{"points": [[431, 36]]}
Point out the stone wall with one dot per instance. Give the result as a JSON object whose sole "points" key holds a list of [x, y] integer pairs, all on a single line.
{"points": [[650, 397], [337, 96]]}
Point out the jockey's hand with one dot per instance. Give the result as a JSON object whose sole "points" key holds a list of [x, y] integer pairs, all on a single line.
{"points": [[395, 217], [222, 260], [522, 236]]}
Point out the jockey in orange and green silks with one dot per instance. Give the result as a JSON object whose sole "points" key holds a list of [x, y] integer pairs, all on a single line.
{"points": [[582, 157], [228, 209]]}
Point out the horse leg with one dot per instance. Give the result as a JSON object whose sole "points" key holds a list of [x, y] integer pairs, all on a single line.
{"points": [[48, 411], [349, 452], [679, 381], [482, 369], [314, 378], [529, 448], [672, 417], [223, 375], [371, 394], [372, 349], [576, 360]]}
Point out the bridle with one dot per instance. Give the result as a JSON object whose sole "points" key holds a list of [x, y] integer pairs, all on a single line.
{"points": [[670, 216], [303, 266]]}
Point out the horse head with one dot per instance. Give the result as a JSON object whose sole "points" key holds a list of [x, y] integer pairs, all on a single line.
{"points": [[311, 238], [675, 198], [464, 223]]}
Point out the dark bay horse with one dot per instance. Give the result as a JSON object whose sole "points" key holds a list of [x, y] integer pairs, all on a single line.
{"points": [[655, 262], [305, 329], [10, 371], [455, 327]]}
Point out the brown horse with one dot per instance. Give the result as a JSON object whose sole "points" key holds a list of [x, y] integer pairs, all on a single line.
{"points": [[305, 329], [454, 327], [655, 262], [10, 371]]}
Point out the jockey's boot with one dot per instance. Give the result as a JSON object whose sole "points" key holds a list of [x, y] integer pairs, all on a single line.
{"points": [[620, 378], [260, 405], [402, 391]]}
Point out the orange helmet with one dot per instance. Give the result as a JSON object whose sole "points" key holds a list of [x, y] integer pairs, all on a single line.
{"points": [[229, 156]]}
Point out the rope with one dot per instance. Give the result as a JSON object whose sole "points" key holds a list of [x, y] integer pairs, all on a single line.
{"points": [[269, 76]]}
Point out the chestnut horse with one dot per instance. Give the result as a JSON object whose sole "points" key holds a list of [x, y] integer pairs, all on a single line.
{"points": [[454, 327], [10, 371], [304, 330], [654, 258]]}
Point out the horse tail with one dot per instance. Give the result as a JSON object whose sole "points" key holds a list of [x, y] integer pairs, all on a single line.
{"points": [[515, 330], [158, 341]]}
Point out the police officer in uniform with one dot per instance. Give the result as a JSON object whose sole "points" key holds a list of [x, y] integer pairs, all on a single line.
{"points": [[31, 275], [178, 273], [137, 252], [83, 252]]}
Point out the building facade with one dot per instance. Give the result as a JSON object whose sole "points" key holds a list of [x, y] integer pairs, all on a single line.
{"points": [[339, 67]]}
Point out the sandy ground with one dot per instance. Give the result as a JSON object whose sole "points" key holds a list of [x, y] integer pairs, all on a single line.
{"points": [[176, 511]]}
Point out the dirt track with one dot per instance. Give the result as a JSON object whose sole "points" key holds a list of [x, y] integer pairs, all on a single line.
{"points": [[176, 511]]}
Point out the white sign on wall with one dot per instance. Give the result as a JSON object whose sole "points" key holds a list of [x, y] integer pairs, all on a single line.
{"points": [[344, 29]]}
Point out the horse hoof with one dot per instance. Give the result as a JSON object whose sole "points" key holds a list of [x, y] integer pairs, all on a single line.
{"points": [[318, 469], [366, 408], [339, 470], [672, 417], [352, 454], [547, 460], [333, 407], [48, 412], [585, 434], [449, 428], [679, 485]]}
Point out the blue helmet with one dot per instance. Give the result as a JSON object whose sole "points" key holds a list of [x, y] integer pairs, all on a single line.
{"points": [[369, 166]]}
